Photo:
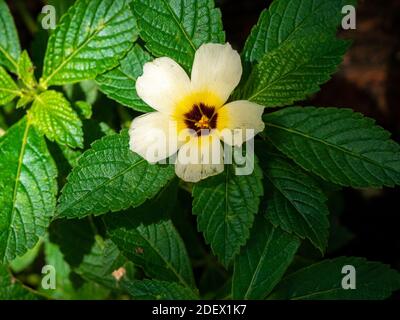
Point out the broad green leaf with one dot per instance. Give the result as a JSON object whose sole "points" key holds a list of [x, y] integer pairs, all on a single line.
{"points": [[323, 281], [101, 262], [91, 38], [156, 247], [8, 89], [110, 177], [12, 289], [53, 115], [176, 28], [289, 20], [26, 70], [294, 71], [225, 206], [339, 145], [119, 83], [294, 200], [263, 260], [28, 189], [9, 43], [158, 290]]}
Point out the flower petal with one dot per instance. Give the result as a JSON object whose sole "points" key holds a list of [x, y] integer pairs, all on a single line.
{"points": [[200, 158], [216, 68], [163, 84], [154, 136], [239, 121]]}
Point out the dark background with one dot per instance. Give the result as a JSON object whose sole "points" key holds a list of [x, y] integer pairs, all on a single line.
{"points": [[368, 81]]}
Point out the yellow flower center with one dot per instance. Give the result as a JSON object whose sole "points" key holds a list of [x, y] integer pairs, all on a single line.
{"points": [[203, 123]]}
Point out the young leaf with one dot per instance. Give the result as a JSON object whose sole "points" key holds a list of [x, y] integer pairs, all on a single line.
{"points": [[262, 261], [158, 290], [225, 206], [52, 114], [323, 281], [110, 177], [26, 70], [8, 89], [294, 71], [176, 28], [289, 20], [12, 289], [339, 145], [156, 247], [90, 39], [9, 43], [85, 109], [294, 201], [28, 189], [119, 83]]}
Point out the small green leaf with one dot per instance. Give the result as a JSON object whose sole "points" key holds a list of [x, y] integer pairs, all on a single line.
{"points": [[90, 39], [262, 261], [9, 42], [85, 109], [294, 201], [158, 290], [52, 114], [110, 177], [24, 100], [176, 28], [294, 71], [99, 264], [119, 83], [12, 289], [323, 281], [339, 145], [28, 189], [156, 247], [289, 20], [26, 70], [8, 89], [225, 206]]}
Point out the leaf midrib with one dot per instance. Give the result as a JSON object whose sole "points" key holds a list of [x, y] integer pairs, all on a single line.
{"points": [[121, 173], [333, 146], [16, 183]]}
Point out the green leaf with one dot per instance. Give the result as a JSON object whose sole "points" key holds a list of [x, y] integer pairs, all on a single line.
{"points": [[158, 290], [225, 206], [28, 189], [156, 247], [294, 71], [287, 21], [12, 289], [100, 263], [120, 83], [21, 263], [85, 109], [110, 177], [26, 70], [9, 43], [90, 39], [339, 145], [53, 115], [8, 89], [262, 261], [294, 200], [323, 281], [176, 28]]}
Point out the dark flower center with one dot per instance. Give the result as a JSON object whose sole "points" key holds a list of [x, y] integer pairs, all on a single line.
{"points": [[201, 117]]}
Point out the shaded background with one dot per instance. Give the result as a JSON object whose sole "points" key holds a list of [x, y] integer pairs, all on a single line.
{"points": [[368, 81]]}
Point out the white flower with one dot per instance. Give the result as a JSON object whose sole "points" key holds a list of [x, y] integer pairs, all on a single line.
{"points": [[191, 113]]}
